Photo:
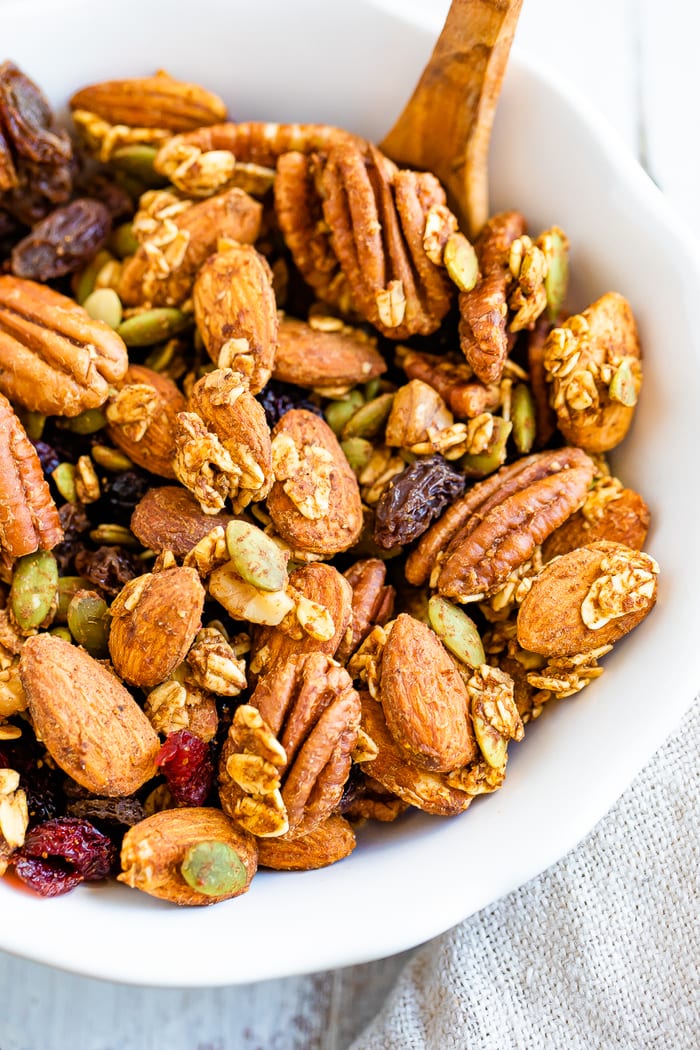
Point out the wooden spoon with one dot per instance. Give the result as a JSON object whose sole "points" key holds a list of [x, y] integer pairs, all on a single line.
{"points": [[446, 124]]}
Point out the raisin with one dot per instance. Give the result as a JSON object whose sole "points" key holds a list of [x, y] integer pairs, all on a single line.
{"points": [[120, 494], [108, 568], [186, 763], [62, 242], [101, 188], [41, 783], [122, 811], [48, 457], [414, 499], [278, 398], [60, 853], [74, 520]]}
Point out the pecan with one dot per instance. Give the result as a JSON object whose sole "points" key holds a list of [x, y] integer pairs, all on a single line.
{"points": [[88, 722], [54, 358], [611, 512], [520, 507], [156, 851], [170, 518], [593, 364], [424, 698], [155, 618], [325, 353], [326, 844], [315, 500], [586, 599], [372, 603], [236, 313], [311, 708], [28, 516], [159, 101], [465, 396], [413, 784], [223, 445], [176, 236], [141, 418], [322, 585]]}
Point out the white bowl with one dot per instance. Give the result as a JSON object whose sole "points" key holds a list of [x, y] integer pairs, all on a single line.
{"points": [[354, 65]]}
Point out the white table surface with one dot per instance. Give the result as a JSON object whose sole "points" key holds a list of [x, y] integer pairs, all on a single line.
{"points": [[637, 62]]}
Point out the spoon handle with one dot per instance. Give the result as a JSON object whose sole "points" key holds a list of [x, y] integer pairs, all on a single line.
{"points": [[446, 125]]}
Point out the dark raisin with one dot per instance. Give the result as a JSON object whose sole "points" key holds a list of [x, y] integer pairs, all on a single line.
{"points": [[41, 783], [414, 499], [74, 520], [108, 568], [100, 187], [186, 763], [120, 494], [66, 445], [278, 398], [122, 811], [62, 242], [48, 457], [60, 853]]}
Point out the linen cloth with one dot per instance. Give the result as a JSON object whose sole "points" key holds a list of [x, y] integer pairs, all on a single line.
{"points": [[600, 951]]}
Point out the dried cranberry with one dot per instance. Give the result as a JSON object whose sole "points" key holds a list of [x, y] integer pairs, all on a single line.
{"points": [[109, 568], [62, 242], [414, 499], [60, 853], [186, 762], [278, 398]]}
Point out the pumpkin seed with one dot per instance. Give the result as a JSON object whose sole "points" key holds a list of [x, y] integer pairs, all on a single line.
{"points": [[369, 419], [256, 558], [214, 868], [557, 277], [478, 466], [110, 459], [64, 479], [523, 418], [358, 453], [122, 241], [456, 631], [114, 536], [622, 385], [153, 326], [88, 422], [85, 282], [34, 589], [137, 161], [104, 305], [88, 621], [67, 587], [461, 262], [339, 412], [33, 423]]}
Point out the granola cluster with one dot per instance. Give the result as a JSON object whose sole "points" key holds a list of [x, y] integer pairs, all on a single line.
{"points": [[304, 506]]}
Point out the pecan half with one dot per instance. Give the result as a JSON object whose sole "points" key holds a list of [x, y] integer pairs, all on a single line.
{"points": [[329, 842], [586, 599], [54, 358], [372, 603], [159, 101], [28, 516], [500, 534], [142, 417], [236, 313], [313, 711], [315, 499]]}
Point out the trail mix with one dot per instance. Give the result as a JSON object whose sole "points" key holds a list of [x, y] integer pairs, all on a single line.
{"points": [[305, 511]]}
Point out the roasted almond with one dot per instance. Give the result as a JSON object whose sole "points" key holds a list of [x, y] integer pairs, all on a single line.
{"points": [[170, 518], [155, 618], [89, 723], [314, 356], [141, 418], [159, 101]]}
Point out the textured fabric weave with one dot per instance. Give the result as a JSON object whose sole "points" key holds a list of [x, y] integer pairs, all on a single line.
{"points": [[600, 952]]}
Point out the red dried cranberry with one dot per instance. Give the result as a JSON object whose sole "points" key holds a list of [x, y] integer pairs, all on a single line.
{"points": [[60, 853], [186, 763]]}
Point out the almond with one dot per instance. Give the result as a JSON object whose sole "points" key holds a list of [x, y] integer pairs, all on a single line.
{"points": [[170, 518], [154, 621], [159, 101], [315, 499], [88, 722], [141, 417], [310, 356]]}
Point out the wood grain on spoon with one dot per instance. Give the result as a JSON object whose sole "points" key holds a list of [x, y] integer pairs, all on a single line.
{"points": [[446, 125]]}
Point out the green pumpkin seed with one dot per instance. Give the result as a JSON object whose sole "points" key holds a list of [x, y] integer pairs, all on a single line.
{"points": [[214, 868], [34, 589], [85, 283], [88, 621], [358, 453], [88, 422], [122, 241], [137, 162], [456, 631], [114, 536], [372, 388], [33, 423], [64, 479], [256, 558], [557, 278], [369, 419], [622, 385], [523, 418], [461, 262], [104, 305], [339, 412], [61, 632], [153, 326], [110, 459], [478, 466], [67, 587]]}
